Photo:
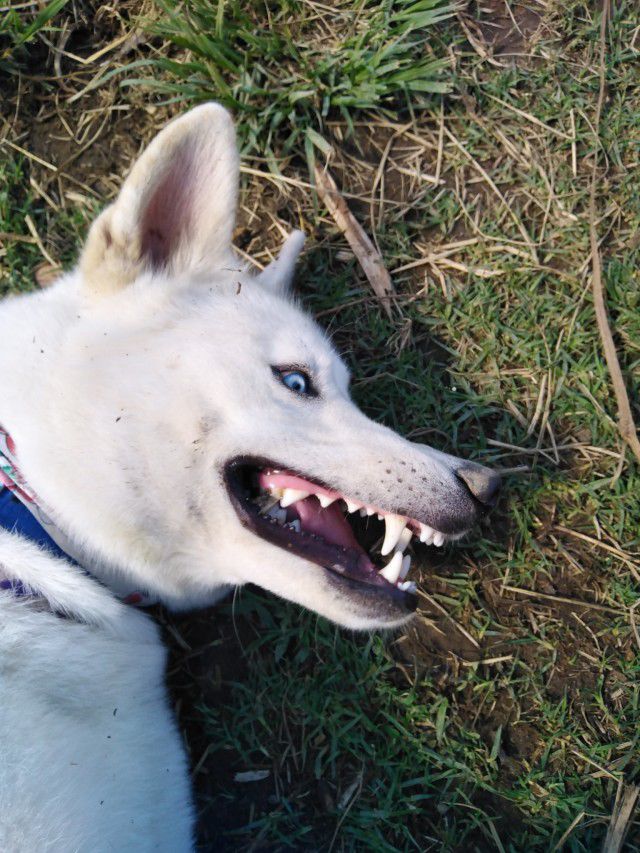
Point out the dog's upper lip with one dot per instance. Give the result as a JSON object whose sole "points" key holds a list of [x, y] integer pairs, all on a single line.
{"points": [[295, 487]]}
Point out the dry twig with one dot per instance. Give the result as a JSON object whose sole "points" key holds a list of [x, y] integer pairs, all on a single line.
{"points": [[621, 816], [626, 424], [368, 256]]}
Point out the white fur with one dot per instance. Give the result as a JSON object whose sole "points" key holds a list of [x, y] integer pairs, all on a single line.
{"points": [[87, 741], [127, 386]]}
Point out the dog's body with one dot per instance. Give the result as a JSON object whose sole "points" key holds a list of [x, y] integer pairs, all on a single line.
{"points": [[90, 758], [146, 394]]}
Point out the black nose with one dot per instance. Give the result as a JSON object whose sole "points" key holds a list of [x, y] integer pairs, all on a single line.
{"points": [[483, 483]]}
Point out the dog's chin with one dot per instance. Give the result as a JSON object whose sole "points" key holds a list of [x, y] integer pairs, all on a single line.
{"points": [[361, 607], [347, 603]]}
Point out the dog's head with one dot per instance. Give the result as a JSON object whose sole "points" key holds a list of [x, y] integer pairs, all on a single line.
{"points": [[203, 434]]}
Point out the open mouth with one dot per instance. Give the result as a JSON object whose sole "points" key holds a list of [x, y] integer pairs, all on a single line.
{"points": [[361, 544]]}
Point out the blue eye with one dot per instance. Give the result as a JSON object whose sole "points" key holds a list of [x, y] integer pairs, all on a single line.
{"points": [[295, 380]]}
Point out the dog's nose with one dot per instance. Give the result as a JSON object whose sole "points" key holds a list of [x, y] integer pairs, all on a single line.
{"points": [[483, 483]]}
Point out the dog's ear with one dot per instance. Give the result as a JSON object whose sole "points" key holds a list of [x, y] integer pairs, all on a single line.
{"points": [[278, 275], [176, 210]]}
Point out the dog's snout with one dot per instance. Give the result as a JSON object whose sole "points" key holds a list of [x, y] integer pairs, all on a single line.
{"points": [[483, 483]]}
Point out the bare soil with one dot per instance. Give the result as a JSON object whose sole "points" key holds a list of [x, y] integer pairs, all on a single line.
{"points": [[506, 29]]}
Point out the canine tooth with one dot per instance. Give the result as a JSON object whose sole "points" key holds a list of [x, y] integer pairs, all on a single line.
{"points": [[391, 571], [290, 496], [426, 534], [351, 506], [394, 525], [405, 538], [325, 500], [406, 565], [438, 539]]}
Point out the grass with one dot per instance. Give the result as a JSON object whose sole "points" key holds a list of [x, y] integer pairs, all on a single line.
{"points": [[507, 716], [16, 32], [20, 255], [351, 724], [284, 67]]}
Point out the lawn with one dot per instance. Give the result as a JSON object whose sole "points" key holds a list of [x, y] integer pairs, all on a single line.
{"points": [[507, 716]]}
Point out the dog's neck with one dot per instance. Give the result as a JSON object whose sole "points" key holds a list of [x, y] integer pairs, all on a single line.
{"points": [[42, 529]]}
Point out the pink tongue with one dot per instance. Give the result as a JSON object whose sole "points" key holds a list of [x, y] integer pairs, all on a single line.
{"points": [[329, 523]]}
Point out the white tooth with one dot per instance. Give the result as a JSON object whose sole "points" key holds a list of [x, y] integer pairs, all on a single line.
{"points": [[363, 512], [290, 496], [407, 586], [295, 525], [406, 565], [426, 534], [369, 510], [391, 571], [394, 525], [325, 500], [405, 538], [351, 507], [438, 539]]}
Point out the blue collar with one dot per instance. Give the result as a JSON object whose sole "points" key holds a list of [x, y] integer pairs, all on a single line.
{"points": [[21, 513], [16, 518]]}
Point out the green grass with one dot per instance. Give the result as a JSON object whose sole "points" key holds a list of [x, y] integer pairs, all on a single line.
{"points": [[18, 255], [17, 31], [19, 252], [286, 67], [404, 770], [408, 742]]}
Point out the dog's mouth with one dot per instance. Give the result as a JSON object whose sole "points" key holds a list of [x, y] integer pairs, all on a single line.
{"points": [[359, 543]]}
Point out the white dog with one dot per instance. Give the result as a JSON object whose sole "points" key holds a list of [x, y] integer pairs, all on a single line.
{"points": [[171, 427]]}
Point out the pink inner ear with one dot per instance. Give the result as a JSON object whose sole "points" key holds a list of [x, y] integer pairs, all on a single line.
{"points": [[169, 217]]}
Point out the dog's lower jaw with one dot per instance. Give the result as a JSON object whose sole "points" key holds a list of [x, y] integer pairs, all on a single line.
{"points": [[364, 608], [345, 602]]}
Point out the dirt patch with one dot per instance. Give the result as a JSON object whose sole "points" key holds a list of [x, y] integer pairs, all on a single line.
{"points": [[505, 29], [206, 655], [80, 129], [99, 163]]}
